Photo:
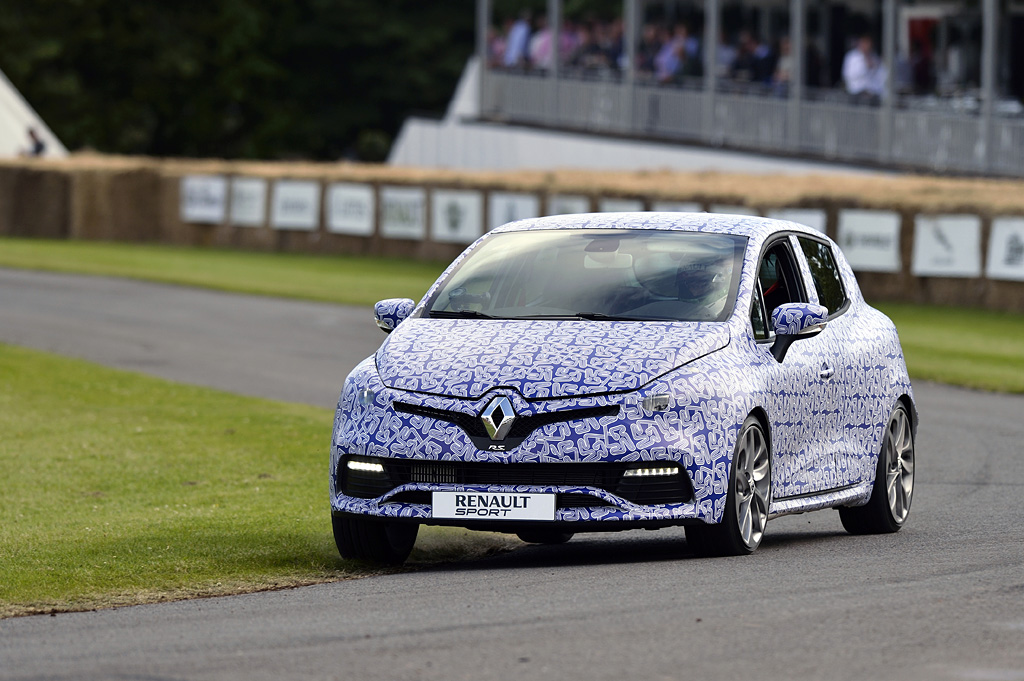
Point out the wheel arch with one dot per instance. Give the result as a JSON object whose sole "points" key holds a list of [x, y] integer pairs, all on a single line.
{"points": [[762, 417], [908, 402]]}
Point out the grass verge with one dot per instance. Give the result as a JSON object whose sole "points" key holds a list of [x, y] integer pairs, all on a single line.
{"points": [[122, 489], [329, 278], [973, 348]]}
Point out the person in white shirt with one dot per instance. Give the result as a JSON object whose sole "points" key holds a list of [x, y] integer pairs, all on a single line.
{"points": [[864, 73]]}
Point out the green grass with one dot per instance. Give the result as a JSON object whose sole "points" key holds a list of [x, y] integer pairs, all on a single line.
{"points": [[972, 348], [334, 279], [121, 488]]}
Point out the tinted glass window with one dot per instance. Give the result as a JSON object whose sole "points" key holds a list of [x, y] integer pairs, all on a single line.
{"points": [[778, 278], [825, 274], [625, 274], [757, 320]]}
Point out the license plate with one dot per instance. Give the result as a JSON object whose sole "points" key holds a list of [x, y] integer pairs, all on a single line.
{"points": [[493, 506]]}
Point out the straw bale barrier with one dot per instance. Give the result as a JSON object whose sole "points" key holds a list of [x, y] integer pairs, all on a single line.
{"points": [[139, 199]]}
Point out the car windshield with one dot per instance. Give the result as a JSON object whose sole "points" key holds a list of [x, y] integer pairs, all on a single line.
{"points": [[595, 274]]}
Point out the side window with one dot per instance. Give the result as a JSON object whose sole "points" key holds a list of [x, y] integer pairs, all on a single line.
{"points": [[824, 273], [757, 320], [777, 275]]}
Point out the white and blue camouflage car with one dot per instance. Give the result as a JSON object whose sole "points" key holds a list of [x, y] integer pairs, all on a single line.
{"points": [[630, 370]]}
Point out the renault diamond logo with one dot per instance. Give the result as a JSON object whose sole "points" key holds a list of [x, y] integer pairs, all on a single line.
{"points": [[498, 417]]}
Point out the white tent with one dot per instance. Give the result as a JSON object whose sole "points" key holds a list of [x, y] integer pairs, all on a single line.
{"points": [[16, 117]]}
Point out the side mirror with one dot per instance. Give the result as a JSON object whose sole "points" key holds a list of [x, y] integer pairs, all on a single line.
{"points": [[391, 312], [795, 321]]}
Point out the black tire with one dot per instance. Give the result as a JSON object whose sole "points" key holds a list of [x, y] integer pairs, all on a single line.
{"points": [[750, 491], [889, 505], [374, 541], [542, 536]]}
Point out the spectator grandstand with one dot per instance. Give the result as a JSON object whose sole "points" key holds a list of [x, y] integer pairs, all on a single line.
{"points": [[878, 81]]}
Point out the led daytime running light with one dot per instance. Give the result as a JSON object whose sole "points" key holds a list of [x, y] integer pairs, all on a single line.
{"points": [[366, 467], [648, 472]]}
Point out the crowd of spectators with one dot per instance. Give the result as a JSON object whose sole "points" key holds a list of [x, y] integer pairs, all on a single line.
{"points": [[673, 54], [665, 53]]}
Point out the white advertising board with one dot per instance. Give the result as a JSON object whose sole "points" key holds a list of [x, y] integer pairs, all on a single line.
{"points": [[947, 246], [509, 207], [248, 201], [295, 205], [1006, 249], [402, 213], [620, 205], [870, 240], [350, 209], [812, 217], [456, 216], [564, 204], [733, 210], [204, 198], [677, 206]]}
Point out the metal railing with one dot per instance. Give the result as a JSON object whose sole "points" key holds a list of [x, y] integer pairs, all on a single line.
{"points": [[827, 125]]}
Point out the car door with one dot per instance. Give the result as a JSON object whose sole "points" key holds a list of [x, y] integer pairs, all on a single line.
{"points": [[802, 398], [840, 363]]}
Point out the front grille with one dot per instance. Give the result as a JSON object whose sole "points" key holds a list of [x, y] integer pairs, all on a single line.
{"points": [[606, 476], [576, 500], [473, 425]]}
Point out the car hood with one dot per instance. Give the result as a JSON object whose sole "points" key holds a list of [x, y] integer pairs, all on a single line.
{"points": [[540, 359]]}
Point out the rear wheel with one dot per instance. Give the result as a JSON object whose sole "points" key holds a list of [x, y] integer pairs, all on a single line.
{"points": [[544, 536], [746, 506], [374, 541], [893, 490]]}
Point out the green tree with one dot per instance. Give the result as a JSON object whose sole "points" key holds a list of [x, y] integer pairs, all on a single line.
{"points": [[233, 78]]}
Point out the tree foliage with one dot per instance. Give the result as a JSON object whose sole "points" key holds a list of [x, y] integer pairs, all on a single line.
{"points": [[233, 78]]}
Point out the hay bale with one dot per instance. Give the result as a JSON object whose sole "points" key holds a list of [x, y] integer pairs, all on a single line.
{"points": [[41, 204], [135, 205], [8, 179], [91, 211]]}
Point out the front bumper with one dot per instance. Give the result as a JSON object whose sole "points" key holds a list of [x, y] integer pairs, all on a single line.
{"points": [[609, 509]]}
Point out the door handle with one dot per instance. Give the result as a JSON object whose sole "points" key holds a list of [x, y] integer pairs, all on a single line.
{"points": [[827, 371]]}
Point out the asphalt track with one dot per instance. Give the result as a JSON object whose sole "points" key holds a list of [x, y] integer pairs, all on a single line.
{"points": [[943, 599]]}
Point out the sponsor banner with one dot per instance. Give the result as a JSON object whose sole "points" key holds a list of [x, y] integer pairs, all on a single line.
{"points": [[403, 212], [947, 246], [510, 206], [733, 210], [248, 201], [295, 205], [456, 215], [870, 240], [564, 204], [350, 209], [493, 505], [812, 217], [677, 206], [1006, 249], [620, 205], [204, 198]]}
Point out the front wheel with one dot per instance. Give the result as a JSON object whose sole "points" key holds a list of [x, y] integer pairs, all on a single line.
{"points": [[893, 490], [374, 541], [746, 506]]}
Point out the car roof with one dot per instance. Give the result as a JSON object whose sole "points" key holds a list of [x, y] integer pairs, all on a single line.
{"points": [[749, 226]]}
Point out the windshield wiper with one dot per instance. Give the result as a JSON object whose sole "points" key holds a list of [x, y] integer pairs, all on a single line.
{"points": [[462, 314], [601, 316]]}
